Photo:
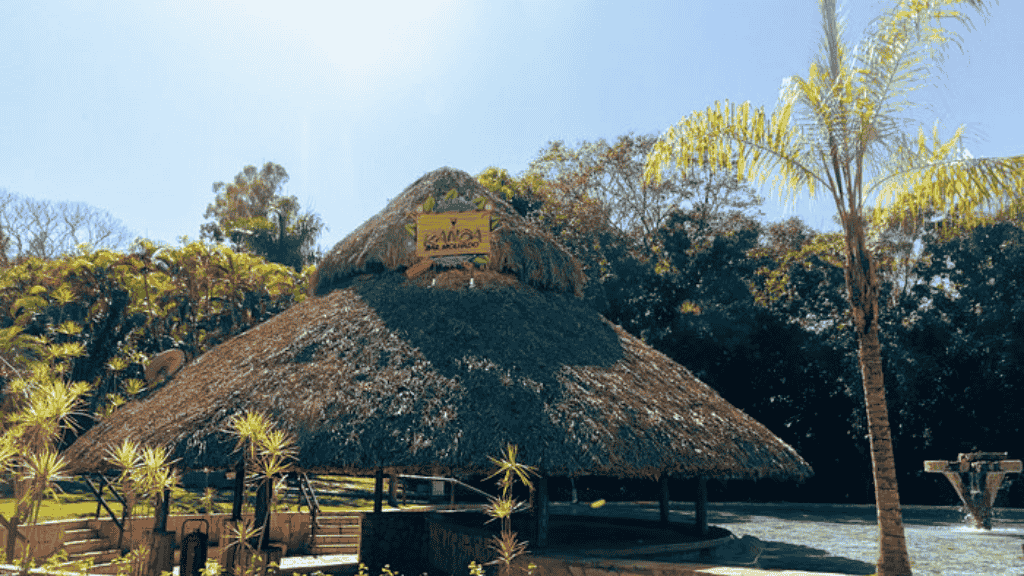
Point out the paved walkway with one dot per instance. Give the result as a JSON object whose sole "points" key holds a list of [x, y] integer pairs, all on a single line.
{"points": [[838, 538]]}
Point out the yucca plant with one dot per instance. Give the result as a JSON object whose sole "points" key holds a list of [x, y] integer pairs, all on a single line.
{"points": [[42, 402], [509, 470], [267, 451]]}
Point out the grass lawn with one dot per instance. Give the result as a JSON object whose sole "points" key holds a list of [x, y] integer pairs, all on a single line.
{"points": [[350, 494], [69, 506]]}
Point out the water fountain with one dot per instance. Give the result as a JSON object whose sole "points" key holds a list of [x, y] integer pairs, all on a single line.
{"points": [[976, 477]]}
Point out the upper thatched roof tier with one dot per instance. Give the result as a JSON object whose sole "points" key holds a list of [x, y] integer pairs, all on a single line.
{"points": [[386, 373], [384, 242]]}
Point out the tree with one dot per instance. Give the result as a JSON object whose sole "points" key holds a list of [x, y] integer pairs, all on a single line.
{"points": [[612, 177], [49, 229], [848, 137], [121, 309], [257, 219]]}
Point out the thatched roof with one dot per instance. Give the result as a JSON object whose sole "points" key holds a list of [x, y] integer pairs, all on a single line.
{"points": [[518, 247], [429, 375]]}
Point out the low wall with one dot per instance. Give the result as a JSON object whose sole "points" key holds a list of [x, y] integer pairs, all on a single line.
{"points": [[291, 528], [453, 546], [393, 537], [44, 539]]}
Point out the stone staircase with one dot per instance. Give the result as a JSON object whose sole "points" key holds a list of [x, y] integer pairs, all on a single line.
{"points": [[337, 535], [84, 543]]}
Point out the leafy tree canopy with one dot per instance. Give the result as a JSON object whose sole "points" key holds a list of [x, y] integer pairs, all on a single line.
{"points": [[253, 214]]}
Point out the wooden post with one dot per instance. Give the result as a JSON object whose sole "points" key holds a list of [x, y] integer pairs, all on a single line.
{"points": [[378, 491], [701, 506], [393, 490], [232, 555], [663, 498], [541, 511], [236, 507]]}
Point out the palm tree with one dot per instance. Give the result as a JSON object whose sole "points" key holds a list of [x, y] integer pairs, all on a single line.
{"points": [[843, 129]]}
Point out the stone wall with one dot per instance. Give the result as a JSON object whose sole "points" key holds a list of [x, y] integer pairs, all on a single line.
{"points": [[453, 546], [291, 528], [394, 538]]}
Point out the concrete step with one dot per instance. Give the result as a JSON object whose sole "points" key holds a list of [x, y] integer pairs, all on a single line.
{"points": [[75, 525], [100, 556], [84, 543], [78, 546], [336, 540], [80, 533], [354, 530], [334, 551], [104, 569], [339, 520], [337, 535]]}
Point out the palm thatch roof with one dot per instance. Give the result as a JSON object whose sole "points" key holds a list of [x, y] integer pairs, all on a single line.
{"points": [[518, 247], [430, 375]]}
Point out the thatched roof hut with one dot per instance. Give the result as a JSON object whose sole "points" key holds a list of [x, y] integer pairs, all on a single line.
{"points": [[377, 370]]}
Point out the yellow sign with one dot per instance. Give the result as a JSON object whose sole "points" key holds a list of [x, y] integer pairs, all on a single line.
{"points": [[452, 233]]}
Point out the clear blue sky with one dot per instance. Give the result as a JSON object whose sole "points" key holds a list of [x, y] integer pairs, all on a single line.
{"points": [[138, 107]]}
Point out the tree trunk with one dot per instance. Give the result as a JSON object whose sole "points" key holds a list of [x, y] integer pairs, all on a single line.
{"points": [[862, 291], [264, 498]]}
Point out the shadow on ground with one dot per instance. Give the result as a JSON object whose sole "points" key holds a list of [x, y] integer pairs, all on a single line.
{"points": [[773, 555], [782, 555]]}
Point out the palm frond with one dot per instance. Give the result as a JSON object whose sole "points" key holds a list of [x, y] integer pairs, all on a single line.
{"points": [[941, 176], [736, 137]]}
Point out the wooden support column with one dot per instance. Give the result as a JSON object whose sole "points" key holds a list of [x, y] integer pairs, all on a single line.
{"points": [[540, 510], [232, 553], [701, 506], [663, 498], [378, 491]]}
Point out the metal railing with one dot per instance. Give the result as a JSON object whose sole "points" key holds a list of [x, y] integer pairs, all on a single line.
{"points": [[101, 503], [452, 481]]}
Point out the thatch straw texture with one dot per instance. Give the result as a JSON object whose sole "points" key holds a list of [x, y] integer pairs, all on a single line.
{"points": [[383, 372], [517, 246]]}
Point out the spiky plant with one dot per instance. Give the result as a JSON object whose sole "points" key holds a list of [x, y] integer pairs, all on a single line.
{"points": [[268, 451], [509, 470], [42, 402]]}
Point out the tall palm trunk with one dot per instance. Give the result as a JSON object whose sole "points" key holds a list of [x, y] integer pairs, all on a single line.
{"points": [[862, 291]]}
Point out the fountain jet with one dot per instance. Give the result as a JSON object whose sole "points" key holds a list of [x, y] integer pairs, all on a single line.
{"points": [[976, 477]]}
